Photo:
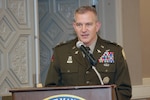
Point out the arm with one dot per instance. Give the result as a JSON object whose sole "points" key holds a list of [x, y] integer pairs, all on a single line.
{"points": [[122, 78], [53, 75]]}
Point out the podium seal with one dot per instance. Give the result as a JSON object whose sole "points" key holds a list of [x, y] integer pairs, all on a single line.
{"points": [[64, 97]]}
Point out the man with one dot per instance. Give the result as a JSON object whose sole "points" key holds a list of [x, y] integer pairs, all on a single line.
{"points": [[70, 67]]}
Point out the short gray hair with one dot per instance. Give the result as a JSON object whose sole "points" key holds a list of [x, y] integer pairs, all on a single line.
{"points": [[84, 9]]}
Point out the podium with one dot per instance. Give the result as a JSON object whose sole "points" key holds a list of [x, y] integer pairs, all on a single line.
{"points": [[95, 92]]}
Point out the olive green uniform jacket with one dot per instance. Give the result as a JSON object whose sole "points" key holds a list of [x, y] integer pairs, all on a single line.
{"points": [[69, 67]]}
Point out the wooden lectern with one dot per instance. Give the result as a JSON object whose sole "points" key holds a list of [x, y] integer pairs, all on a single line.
{"points": [[95, 92]]}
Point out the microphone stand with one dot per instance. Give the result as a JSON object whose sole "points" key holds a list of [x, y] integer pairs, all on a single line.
{"points": [[94, 62], [98, 74]]}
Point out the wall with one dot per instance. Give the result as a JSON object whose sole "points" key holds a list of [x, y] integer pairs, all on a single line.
{"points": [[131, 39], [136, 29], [145, 35], [135, 15]]}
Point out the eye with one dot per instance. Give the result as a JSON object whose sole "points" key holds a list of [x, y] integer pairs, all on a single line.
{"points": [[78, 24], [89, 24]]}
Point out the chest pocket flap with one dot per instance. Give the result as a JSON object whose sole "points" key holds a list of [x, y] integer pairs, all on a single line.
{"points": [[106, 68]]}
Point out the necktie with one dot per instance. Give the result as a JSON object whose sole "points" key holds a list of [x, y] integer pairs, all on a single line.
{"points": [[86, 57], [88, 48]]}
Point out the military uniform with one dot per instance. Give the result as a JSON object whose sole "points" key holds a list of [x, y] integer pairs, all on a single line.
{"points": [[69, 67]]}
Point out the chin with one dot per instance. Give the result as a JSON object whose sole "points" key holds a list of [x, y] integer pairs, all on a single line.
{"points": [[85, 42]]}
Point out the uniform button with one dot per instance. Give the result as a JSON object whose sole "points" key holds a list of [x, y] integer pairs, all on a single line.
{"points": [[87, 82], [106, 70], [87, 72]]}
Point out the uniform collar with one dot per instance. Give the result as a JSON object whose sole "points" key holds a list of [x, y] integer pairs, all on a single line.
{"points": [[92, 46]]}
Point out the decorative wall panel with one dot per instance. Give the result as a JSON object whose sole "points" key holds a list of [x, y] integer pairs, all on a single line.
{"points": [[17, 55], [5, 86], [43, 6], [18, 10], [65, 10], [18, 60], [0, 62], [45, 59], [7, 31]]}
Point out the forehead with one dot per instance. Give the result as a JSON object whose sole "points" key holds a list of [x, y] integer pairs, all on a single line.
{"points": [[85, 17]]}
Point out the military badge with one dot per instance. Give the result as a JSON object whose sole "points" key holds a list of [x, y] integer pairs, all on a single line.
{"points": [[69, 59], [107, 57]]}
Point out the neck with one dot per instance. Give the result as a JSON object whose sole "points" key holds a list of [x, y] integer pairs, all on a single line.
{"points": [[94, 40]]}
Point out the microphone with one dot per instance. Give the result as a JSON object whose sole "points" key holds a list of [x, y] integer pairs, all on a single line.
{"points": [[81, 46], [93, 62]]}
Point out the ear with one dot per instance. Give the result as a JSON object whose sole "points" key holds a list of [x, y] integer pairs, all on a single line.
{"points": [[74, 25], [98, 26]]}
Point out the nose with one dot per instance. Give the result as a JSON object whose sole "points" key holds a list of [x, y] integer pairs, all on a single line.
{"points": [[84, 28]]}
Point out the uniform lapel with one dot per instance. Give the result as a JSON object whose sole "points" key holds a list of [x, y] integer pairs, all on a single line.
{"points": [[99, 49], [97, 53], [77, 54]]}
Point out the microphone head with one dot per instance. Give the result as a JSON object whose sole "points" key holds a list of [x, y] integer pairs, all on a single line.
{"points": [[79, 43]]}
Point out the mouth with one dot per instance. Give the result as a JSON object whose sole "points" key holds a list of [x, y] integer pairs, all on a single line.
{"points": [[85, 35]]}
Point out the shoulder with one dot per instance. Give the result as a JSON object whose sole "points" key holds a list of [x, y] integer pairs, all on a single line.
{"points": [[65, 44], [110, 44]]}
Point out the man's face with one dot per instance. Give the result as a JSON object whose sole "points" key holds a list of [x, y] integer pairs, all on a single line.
{"points": [[86, 27]]}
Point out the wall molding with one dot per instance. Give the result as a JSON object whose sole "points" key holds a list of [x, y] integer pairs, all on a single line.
{"points": [[141, 91]]}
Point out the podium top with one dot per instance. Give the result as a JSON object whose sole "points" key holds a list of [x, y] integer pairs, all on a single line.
{"points": [[60, 88]]}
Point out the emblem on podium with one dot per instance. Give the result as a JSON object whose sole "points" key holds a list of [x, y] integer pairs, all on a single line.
{"points": [[64, 97]]}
